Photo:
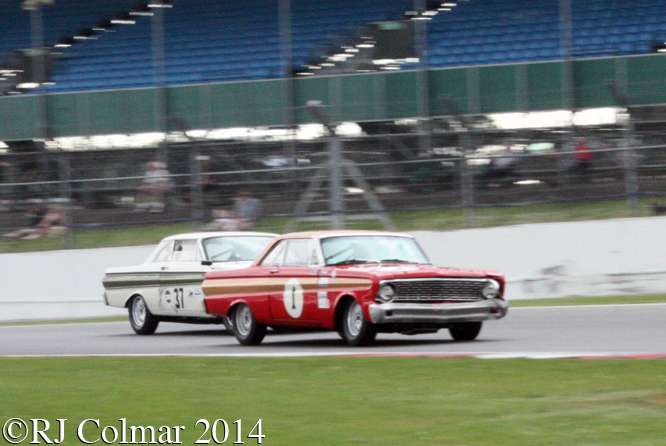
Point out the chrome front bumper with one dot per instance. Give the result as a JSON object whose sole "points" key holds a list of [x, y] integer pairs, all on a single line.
{"points": [[444, 313]]}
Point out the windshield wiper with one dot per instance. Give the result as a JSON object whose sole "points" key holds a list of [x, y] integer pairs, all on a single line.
{"points": [[353, 261], [399, 261]]}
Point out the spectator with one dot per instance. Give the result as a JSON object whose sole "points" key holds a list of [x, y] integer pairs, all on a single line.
{"points": [[5, 177], [583, 156], [581, 160], [247, 210], [28, 173], [49, 223], [207, 181], [156, 184], [501, 166]]}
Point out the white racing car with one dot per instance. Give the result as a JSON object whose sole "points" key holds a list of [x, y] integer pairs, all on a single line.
{"points": [[167, 287]]}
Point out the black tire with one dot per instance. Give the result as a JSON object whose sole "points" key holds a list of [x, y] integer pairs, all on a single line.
{"points": [[465, 331], [245, 326], [356, 329], [141, 319], [228, 324]]}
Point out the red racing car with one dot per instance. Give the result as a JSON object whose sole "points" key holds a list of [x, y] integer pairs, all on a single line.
{"points": [[359, 283]]}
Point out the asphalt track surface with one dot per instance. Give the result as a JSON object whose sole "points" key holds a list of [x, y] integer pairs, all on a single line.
{"points": [[577, 331]]}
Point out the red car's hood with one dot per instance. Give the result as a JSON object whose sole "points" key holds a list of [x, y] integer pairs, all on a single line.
{"points": [[387, 271]]}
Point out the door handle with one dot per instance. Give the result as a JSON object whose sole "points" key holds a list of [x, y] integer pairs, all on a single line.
{"points": [[273, 271]]}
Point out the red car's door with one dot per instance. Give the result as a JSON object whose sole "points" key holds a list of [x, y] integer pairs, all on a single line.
{"points": [[293, 284], [293, 297]]}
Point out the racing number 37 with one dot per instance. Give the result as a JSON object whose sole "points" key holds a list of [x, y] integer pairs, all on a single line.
{"points": [[179, 295], [180, 302]]}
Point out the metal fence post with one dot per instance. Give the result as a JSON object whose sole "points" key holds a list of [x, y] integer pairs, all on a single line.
{"points": [[196, 186], [159, 77], [335, 188], [467, 182], [288, 116], [629, 153], [422, 81], [630, 167], [466, 178], [65, 193]]}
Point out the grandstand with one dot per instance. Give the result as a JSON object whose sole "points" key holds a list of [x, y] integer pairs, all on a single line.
{"points": [[213, 41], [220, 89]]}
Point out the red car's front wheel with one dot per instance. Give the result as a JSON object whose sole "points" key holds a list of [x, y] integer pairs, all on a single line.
{"points": [[356, 330], [465, 331]]}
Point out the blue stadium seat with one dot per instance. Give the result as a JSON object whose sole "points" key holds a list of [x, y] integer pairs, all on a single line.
{"points": [[211, 40]]}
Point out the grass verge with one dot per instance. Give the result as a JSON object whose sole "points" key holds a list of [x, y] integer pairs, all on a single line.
{"points": [[339, 401], [423, 220], [93, 320], [609, 300]]}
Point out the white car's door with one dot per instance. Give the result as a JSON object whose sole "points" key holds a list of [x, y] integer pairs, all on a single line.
{"points": [[180, 289], [180, 281]]}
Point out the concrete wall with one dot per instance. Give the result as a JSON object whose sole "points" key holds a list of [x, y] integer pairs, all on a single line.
{"points": [[611, 257], [61, 284], [592, 258]]}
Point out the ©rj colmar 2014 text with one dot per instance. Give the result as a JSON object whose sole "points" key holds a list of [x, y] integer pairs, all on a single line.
{"points": [[92, 431]]}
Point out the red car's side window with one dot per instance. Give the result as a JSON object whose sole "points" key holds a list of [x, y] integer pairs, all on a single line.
{"points": [[300, 253], [275, 256]]}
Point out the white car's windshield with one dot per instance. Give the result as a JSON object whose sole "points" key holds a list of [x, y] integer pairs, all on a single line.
{"points": [[234, 249], [371, 249]]}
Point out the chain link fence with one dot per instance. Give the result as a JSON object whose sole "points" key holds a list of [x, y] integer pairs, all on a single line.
{"points": [[469, 176]]}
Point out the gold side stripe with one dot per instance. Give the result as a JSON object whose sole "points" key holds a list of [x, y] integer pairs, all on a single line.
{"points": [[271, 285]]}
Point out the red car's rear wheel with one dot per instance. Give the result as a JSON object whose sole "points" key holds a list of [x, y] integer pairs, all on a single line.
{"points": [[245, 326]]}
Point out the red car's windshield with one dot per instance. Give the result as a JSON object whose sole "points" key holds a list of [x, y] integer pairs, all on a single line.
{"points": [[371, 249]]}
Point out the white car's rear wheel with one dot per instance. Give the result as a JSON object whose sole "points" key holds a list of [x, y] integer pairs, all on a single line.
{"points": [[142, 320], [245, 326], [228, 324]]}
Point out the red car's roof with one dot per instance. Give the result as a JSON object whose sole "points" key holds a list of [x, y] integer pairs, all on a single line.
{"points": [[324, 234]]}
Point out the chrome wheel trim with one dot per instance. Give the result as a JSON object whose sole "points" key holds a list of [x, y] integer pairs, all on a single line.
{"points": [[139, 312], [243, 320], [355, 319]]}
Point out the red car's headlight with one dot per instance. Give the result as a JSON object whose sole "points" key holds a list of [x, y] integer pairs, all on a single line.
{"points": [[385, 293], [491, 290]]}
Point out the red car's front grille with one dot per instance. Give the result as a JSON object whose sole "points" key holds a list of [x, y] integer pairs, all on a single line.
{"points": [[420, 290]]}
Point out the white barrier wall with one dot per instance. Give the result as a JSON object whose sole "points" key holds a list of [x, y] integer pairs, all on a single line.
{"points": [[610, 257], [61, 284], [591, 258]]}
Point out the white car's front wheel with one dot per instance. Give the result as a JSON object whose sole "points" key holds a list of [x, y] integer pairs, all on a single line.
{"points": [[142, 320]]}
